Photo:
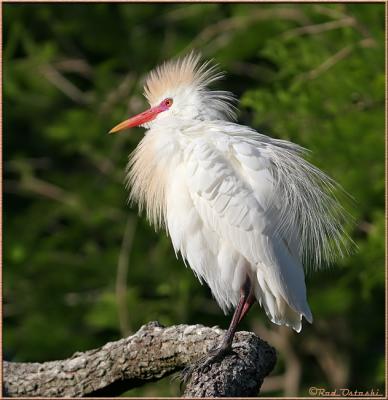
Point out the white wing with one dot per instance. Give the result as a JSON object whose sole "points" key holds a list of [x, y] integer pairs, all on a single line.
{"points": [[229, 187]]}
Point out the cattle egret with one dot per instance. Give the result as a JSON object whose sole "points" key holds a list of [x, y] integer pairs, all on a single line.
{"points": [[244, 210]]}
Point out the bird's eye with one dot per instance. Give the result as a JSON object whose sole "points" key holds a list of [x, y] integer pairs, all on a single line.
{"points": [[168, 102]]}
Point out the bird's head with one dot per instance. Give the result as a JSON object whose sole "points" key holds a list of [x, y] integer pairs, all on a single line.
{"points": [[178, 90]]}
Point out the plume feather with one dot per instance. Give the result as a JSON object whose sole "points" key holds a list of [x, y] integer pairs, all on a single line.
{"points": [[190, 73]]}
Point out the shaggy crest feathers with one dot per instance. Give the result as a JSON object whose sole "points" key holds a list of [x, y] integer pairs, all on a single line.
{"points": [[189, 72]]}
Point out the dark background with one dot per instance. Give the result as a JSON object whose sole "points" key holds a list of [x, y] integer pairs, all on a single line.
{"points": [[81, 268]]}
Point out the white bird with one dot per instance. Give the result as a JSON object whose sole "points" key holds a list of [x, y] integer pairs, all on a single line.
{"points": [[244, 210]]}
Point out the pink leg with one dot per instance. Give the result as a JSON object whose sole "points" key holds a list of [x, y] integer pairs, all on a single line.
{"points": [[247, 298], [247, 305]]}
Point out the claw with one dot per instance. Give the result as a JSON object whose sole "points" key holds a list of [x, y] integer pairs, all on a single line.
{"points": [[216, 354]]}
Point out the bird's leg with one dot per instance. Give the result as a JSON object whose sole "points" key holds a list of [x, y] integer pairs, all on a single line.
{"points": [[247, 298], [247, 305]]}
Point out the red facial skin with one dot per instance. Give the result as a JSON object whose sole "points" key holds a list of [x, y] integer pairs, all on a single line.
{"points": [[143, 117]]}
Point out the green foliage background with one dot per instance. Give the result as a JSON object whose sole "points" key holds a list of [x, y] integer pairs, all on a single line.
{"points": [[81, 268]]}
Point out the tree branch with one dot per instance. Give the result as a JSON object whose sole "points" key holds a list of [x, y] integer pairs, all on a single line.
{"points": [[150, 354]]}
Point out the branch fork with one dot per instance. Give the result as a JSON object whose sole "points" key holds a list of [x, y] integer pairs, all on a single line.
{"points": [[150, 354]]}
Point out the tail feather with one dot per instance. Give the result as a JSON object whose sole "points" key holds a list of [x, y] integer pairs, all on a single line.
{"points": [[281, 289]]}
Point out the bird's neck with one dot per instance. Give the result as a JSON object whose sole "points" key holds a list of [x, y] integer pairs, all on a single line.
{"points": [[148, 172]]}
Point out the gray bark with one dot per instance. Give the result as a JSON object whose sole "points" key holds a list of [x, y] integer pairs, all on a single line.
{"points": [[150, 354]]}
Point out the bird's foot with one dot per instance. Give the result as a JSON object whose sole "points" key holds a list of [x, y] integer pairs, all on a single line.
{"points": [[216, 354]]}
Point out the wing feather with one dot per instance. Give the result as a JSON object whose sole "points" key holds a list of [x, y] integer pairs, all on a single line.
{"points": [[235, 206], [265, 204]]}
